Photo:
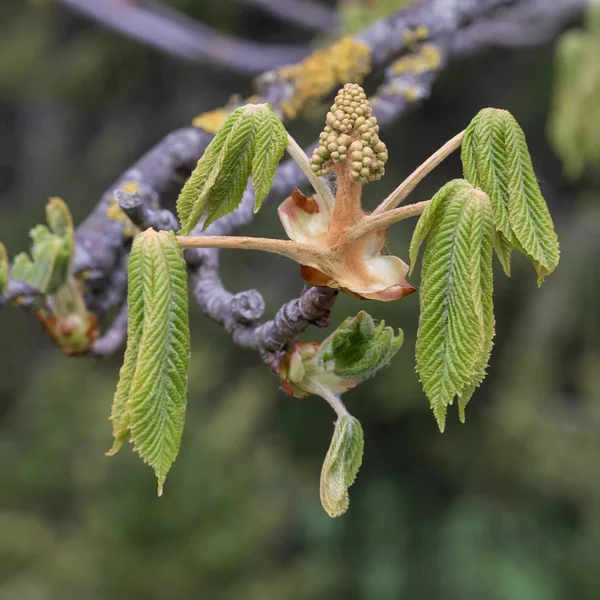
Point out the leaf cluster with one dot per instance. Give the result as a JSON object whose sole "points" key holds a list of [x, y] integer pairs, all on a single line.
{"points": [[358, 348], [456, 328], [499, 204], [251, 141], [355, 351], [49, 266], [495, 158]]}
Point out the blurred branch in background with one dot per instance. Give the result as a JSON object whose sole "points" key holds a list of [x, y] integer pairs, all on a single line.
{"points": [[525, 24], [171, 31], [413, 45], [308, 13]]}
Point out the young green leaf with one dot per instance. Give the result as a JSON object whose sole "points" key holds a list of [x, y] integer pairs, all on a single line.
{"points": [[251, 141], [426, 220], [496, 159], [270, 143], [139, 270], [358, 349], [52, 251], [482, 287], [4, 269], [528, 213], [150, 401], [457, 324], [483, 155], [341, 465]]}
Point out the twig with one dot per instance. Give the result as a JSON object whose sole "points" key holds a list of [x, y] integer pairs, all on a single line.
{"points": [[453, 28], [271, 338], [142, 215], [382, 221], [23, 294], [113, 338]]}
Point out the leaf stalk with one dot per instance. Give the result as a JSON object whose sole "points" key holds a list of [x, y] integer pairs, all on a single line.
{"points": [[411, 182], [319, 185]]}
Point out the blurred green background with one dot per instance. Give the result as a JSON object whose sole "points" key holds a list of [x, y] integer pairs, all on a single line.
{"points": [[506, 507]]}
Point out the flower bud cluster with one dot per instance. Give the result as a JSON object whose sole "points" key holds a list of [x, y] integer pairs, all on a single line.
{"points": [[351, 133]]}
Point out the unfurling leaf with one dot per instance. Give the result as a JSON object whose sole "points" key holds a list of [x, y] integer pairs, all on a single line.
{"points": [[4, 269], [341, 465], [357, 349], [251, 141], [496, 158], [456, 327], [52, 251], [149, 404]]}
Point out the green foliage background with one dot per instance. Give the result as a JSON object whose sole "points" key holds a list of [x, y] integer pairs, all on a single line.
{"points": [[506, 507]]}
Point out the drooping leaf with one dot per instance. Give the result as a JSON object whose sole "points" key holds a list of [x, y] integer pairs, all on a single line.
{"points": [[426, 220], [484, 157], [341, 465], [496, 159], [528, 213], [135, 322], [456, 324], [252, 140], [482, 287], [52, 251], [4, 269], [150, 401], [358, 348]]}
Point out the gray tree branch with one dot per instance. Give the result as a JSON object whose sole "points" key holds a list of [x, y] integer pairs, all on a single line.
{"points": [[171, 31], [452, 27]]}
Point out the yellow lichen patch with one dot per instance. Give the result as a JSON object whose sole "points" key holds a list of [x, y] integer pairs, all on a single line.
{"points": [[346, 61], [212, 120], [114, 212], [130, 187], [426, 59], [410, 37], [411, 93]]}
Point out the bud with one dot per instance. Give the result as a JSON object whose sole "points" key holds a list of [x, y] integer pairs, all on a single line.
{"points": [[352, 128]]}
